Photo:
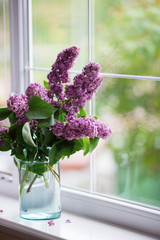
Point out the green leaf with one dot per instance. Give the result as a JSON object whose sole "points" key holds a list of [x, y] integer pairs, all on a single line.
{"points": [[4, 148], [12, 118], [77, 146], [25, 153], [81, 113], [46, 85], [65, 147], [12, 152], [31, 155], [86, 145], [19, 134], [19, 152], [56, 114], [15, 161], [12, 132], [4, 113], [39, 109], [46, 122], [49, 138], [38, 168], [22, 142], [54, 155], [26, 134], [61, 117], [93, 143]]}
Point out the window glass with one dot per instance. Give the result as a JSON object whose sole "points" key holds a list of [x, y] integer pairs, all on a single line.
{"points": [[126, 36], [57, 25], [4, 53], [7, 165], [127, 165]]}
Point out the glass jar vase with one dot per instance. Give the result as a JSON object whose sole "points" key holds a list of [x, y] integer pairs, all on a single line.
{"points": [[39, 190]]}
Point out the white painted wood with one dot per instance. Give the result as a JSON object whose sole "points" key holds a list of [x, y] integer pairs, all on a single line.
{"points": [[79, 228]]}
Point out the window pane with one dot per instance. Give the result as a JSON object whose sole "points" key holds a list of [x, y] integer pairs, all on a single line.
{"points": [[57, 25], [127, 165], [4, 53], [126, 36], [6, 165], [39, 76]]}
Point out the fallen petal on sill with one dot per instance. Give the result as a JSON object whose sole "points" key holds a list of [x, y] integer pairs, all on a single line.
{"points": [[51, 223], [68, 221]]}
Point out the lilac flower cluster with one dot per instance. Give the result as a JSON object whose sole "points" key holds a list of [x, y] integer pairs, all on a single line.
{"points": [[3, 132], [59, 73], [36, 89], [24, 119], [69, 108], [81, 127], [103, 130], [18, 104], [84, 85], [58, 129], [69, 100]]}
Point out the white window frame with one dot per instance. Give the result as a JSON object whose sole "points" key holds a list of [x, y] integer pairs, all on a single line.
{"points": [[115, 210]]}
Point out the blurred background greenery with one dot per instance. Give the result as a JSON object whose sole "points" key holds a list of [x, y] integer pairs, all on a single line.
{"points": [[125, 40]]}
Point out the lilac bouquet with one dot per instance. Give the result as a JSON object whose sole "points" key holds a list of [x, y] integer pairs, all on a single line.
{"points": [[49, 122]]}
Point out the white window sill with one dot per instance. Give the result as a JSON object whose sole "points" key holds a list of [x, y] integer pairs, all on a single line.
{"points": [[79, 228]]}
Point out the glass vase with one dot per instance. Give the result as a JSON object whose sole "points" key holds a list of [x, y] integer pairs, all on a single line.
{"points": [[39, 190]]}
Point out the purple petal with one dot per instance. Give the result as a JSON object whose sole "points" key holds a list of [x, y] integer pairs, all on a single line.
{"points": [[68, 221], [51, 223]]}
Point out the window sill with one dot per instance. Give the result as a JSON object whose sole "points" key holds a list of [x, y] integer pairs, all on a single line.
{"points": [[79, 228]]}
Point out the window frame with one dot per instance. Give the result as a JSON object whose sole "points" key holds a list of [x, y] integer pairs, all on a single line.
{"points": [[111, 209]]}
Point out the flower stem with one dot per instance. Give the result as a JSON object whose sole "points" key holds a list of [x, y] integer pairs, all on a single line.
{"points": [[34, 179], [45, 180], [23, 182], [54, 173]]}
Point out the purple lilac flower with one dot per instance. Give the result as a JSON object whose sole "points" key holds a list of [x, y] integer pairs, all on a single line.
{"points": [[55, 103], [70, 108], [68, 221], [3, 132], [58, 129], [92, 67], [103, 130], [85, 85], [36, 89], [24, 119], [79, 128], [64, 61], [51, 223], [58, 75], [76, 128], [56, 88], [18, 104]]}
